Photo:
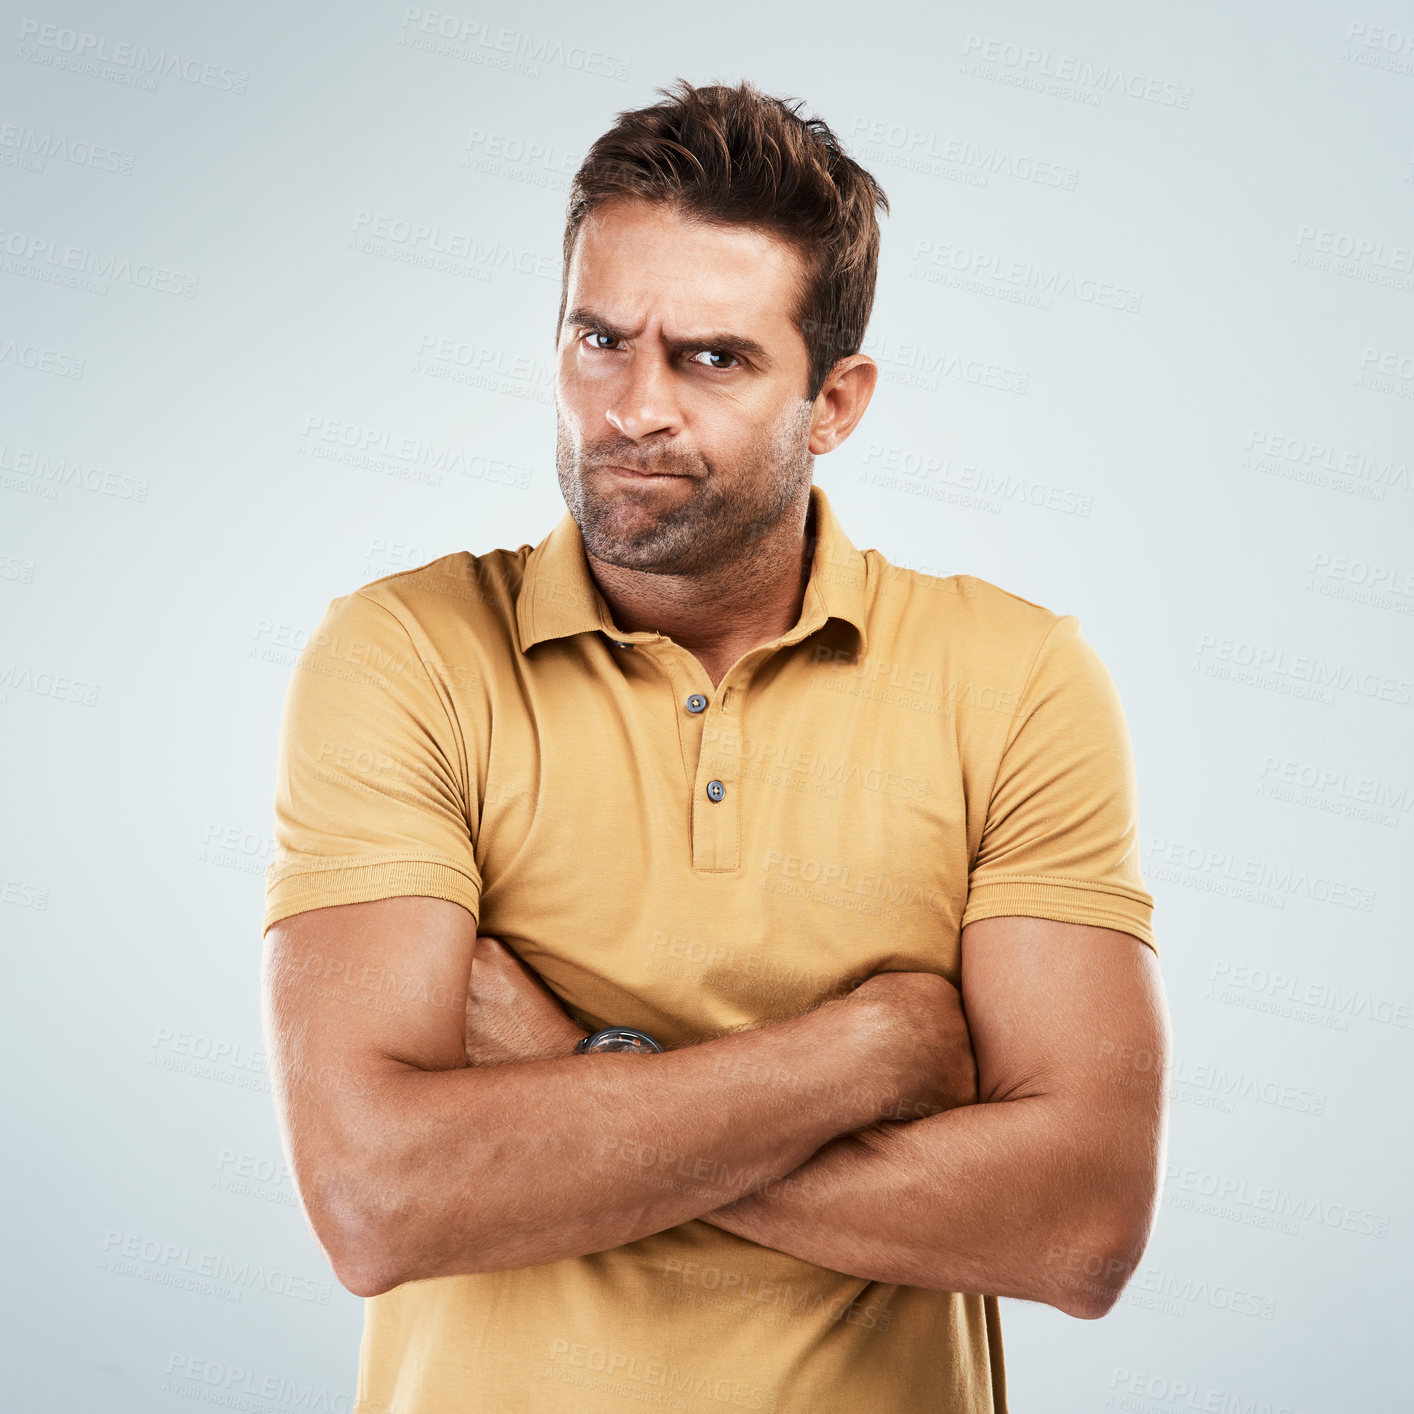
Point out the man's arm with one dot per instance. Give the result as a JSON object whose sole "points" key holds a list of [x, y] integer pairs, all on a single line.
{"points": [[1046, 1190], [411, 1164]]}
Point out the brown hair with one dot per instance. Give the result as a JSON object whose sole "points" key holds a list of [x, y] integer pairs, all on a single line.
{"points": [[739, 156]]}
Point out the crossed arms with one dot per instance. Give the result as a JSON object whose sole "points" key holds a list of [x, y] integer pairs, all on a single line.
{"points": [[411, 1163]]}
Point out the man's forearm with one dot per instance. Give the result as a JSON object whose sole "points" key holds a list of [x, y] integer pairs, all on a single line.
{"points": [[994, 1198], [491, 1168]]}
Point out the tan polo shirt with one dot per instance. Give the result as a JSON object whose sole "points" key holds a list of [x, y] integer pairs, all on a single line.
{"points": [[917, 752]]}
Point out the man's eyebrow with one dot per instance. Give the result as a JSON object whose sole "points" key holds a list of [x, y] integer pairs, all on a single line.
{"points": [[719, 341]]}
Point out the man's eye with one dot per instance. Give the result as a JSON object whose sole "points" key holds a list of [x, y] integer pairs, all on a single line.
{"points": [[594, 334], [717, 353]]}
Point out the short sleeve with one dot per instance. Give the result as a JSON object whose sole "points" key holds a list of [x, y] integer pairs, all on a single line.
{"points": [[371, 780], [1061, 838]]}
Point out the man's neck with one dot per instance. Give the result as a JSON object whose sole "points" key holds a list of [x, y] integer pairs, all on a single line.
{"points": [[720, 615]]}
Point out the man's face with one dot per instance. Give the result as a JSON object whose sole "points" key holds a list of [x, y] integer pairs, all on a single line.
{"points": [[678, 357]]}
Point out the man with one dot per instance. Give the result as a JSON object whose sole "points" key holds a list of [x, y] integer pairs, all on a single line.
{"points": [[695, 766]]}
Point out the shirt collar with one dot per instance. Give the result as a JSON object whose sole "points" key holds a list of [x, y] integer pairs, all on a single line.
{"points": [[558, 596]]}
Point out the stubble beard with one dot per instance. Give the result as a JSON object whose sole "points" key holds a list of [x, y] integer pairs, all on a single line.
{"points": [[718, 518]]}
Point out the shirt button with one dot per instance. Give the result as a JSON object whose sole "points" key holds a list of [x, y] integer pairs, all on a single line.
{"points": [[715, 790], [617, 644], [696, 702]]}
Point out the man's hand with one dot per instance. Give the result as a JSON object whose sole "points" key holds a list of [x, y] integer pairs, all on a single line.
{"points": [[511, 1015]]}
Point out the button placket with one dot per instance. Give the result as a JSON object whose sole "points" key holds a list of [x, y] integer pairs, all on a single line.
{"points": [[716, 809]]}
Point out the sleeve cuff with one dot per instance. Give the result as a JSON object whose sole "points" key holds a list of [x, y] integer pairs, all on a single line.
{"points": [[1116, 906], [300, 887]]}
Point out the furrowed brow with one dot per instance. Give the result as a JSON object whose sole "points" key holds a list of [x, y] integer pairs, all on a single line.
{"points": [[718, 342], [722, 342]]}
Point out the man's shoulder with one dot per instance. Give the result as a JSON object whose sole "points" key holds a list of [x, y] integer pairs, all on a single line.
{"points": [[964, 609], [457, 590]]}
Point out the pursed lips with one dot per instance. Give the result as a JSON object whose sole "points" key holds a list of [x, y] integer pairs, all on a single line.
{"points": [[642, 475]]}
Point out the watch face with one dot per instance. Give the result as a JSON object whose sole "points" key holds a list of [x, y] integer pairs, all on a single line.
{"points": [[621, 1038]]}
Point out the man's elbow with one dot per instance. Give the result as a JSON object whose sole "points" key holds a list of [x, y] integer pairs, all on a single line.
{"points": [[1086, 1277], [362, 1276], [361, 1239], [356, 1249], [1090, 1307], [368, 1255], [378, 1235]]}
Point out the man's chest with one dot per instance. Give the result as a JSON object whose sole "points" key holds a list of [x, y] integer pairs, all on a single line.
{"points": [[690, 866]]}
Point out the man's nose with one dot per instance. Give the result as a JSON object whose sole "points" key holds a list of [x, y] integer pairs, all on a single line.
{"points": [[646, 400]]}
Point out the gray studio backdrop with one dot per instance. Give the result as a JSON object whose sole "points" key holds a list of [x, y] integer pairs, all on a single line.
{"points": [[276, 318]]}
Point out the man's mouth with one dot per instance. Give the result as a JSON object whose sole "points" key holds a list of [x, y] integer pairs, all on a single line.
{"points": [[629, 474]]}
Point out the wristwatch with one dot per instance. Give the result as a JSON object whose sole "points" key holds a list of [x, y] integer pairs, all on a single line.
{"points": [[616, 1038]]}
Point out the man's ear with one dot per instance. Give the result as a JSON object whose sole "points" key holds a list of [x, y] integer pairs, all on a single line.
{"points": [[842, 401]]}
